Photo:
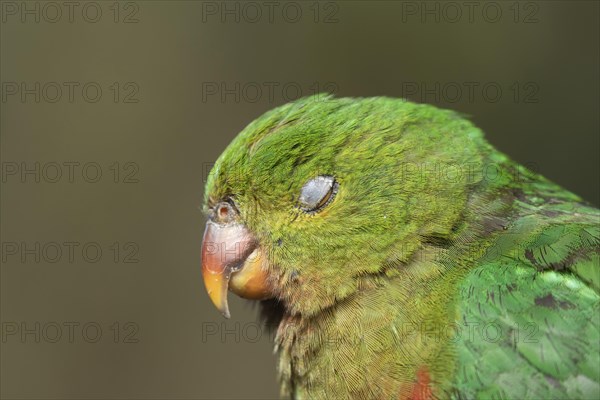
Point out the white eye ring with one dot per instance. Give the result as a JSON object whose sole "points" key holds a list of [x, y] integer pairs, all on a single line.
{"points": [[317, 193]]}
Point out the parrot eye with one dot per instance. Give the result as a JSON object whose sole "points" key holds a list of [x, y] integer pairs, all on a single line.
{"points": [[317, 193]]}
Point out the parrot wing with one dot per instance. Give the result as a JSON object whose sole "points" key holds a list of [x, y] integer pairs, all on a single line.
{"points": [[533, 305]]}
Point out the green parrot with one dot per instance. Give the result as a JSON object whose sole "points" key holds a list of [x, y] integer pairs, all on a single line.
{"points": [[401, 256]]}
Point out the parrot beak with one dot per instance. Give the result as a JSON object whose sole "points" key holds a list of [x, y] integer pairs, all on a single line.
{"points": [[232, 259]]}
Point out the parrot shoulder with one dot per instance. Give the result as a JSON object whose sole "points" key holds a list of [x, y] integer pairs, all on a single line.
{"points": [[533, 300]]}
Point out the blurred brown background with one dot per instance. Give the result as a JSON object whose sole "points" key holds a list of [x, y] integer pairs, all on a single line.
{"points": [[148, 94]]}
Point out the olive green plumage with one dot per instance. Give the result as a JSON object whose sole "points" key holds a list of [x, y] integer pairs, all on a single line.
{"points": [[441, 269]]}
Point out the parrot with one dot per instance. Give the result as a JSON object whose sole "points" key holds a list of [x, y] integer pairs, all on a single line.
{"points": [[397, 254]]}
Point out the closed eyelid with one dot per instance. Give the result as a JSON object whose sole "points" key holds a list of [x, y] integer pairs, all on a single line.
{"points": [[317, 193]]}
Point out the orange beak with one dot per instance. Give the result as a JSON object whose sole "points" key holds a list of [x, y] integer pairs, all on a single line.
{"points": [[232, 259]]}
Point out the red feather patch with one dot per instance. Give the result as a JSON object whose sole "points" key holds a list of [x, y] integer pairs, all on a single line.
{"points": [[420, 389]]}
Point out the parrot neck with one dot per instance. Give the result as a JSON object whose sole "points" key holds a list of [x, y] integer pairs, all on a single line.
{"points": [[388, 339]]}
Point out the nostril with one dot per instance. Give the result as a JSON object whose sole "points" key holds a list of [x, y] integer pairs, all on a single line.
{"points": [[223, 211]]}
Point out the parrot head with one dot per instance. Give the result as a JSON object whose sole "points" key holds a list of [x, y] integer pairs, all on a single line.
{"points": [[319, 194]]}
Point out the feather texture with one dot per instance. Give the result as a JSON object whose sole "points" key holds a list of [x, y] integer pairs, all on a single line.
{"points": [[441, 269]]}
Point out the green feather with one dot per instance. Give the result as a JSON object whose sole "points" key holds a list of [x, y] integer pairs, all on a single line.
{"points": [[439, 257]]}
